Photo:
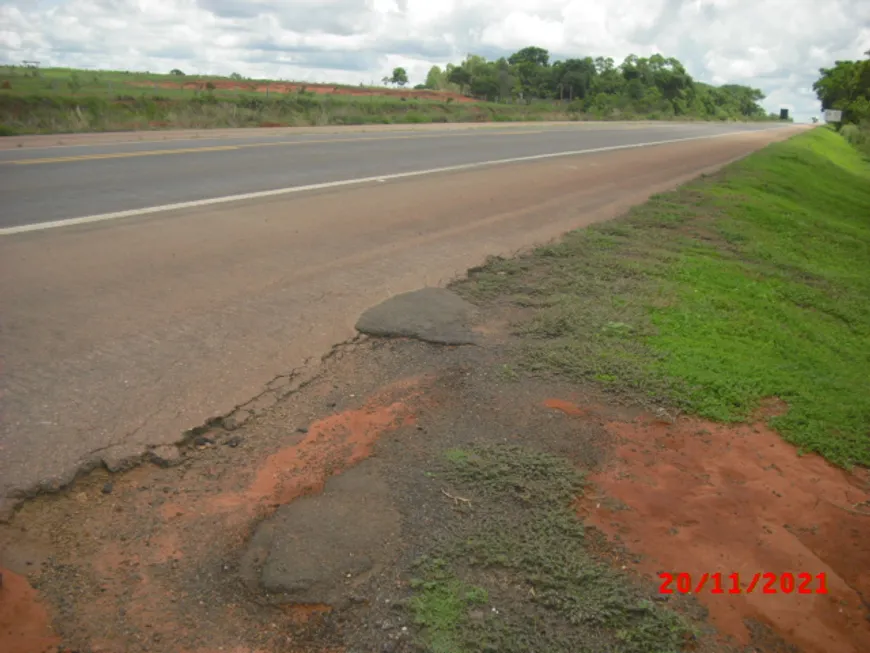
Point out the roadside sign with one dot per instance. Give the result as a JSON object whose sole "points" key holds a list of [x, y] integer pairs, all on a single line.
{"points": [[833, 115]]}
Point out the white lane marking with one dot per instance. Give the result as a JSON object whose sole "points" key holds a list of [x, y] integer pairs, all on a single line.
{"points": [[117, 215]]}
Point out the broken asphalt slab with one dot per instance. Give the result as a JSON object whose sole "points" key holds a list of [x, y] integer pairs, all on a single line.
{"points": [[431, 314], [315, 550]]}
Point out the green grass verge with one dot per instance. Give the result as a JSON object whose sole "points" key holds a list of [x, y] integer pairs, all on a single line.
{"points": [[751, 283], [517, 575]]}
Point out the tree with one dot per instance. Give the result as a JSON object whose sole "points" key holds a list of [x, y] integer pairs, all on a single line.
{"points": [[846, 87], [176, 71], [530, 65], [532, 55], [603, 65], [745, 99], [608, 79], [236, 76], [399, 77], [505, 79], [485, 83], [574, 77], [436, 79], [656, 86], [460, 76]]}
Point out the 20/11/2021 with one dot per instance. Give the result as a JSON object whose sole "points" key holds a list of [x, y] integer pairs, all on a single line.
{"points": [[765, 583]]}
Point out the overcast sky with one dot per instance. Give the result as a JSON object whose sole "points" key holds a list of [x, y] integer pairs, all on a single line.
{"points": [[776, 45]]}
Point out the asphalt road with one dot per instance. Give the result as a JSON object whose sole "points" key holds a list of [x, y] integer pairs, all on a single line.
{"points": [[119, 334], [50, 184]]}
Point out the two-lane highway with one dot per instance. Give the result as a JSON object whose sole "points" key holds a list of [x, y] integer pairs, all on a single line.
{"points": [[53, 184], [124, 321]]}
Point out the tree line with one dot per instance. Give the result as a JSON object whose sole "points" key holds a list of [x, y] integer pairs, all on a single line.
{"points": [[846, 86], [654, 85]]}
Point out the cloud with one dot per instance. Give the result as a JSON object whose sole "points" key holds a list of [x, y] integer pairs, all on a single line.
{"points": [[776, 45]]}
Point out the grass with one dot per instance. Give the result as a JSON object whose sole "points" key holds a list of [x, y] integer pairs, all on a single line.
{"points": [[65, 100], [138, 110], [751, 283], [106, 83], [441, 606], [517, 575]]}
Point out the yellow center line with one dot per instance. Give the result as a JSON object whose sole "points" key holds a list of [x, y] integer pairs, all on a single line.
{"points": [[119, 155], [225, 148]]}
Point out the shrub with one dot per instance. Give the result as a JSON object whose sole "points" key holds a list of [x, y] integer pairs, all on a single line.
{"points": [[74, 83], [858, 136], [415, 117]]}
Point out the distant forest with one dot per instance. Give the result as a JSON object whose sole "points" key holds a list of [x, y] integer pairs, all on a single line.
{"points": [[657, 86]]}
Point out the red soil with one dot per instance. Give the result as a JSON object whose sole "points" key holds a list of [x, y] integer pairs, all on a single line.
{"points": [[24, 622], [705, 498], [330, 446], [566, 407]]}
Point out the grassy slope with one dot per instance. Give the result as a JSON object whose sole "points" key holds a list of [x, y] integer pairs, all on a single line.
{"points": [[72, 82], [63, 100], [752, 283], [114, 100], [49, 114]]}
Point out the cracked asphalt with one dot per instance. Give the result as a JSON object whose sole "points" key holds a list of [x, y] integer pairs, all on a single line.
{"points": [[118, 336]]}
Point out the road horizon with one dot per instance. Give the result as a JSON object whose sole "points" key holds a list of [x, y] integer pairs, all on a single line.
{"points": [[134, 176]]}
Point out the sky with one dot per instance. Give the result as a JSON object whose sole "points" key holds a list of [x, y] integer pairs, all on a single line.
{"points": [[775, 45]]}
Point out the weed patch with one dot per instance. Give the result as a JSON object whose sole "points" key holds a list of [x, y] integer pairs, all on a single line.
{"points": [[517, 576]]}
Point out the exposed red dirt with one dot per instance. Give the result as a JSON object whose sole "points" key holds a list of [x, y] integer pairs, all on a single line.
{"points": [[127, 541], [320, 89], [330, 446], [706, 498], [302, 613], [24, 622], [238, 649], [566, 407]]}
